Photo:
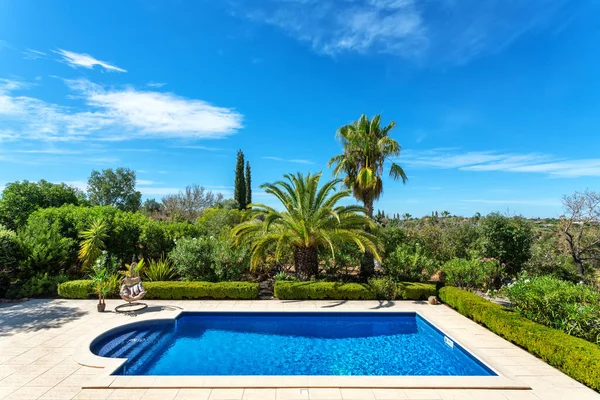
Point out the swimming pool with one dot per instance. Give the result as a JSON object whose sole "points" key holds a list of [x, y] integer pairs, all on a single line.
{"points": [[278, 343]]}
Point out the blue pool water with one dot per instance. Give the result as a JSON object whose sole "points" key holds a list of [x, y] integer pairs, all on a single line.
{"points": [[228, 343]]}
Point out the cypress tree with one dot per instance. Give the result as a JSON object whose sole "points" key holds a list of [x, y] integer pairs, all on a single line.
{"points": [[239, 185], [248, 184]]}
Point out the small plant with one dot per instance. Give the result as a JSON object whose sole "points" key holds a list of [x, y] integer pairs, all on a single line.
{"points": [[101, 284], [92, 245], [160, 270], [473, 274], [133, 270], [284, 276]]}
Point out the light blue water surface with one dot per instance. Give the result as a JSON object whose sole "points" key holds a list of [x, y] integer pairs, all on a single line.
{"points": [[288, 344]]}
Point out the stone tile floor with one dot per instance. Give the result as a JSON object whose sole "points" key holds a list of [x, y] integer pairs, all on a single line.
{"points": [[38, 338]]}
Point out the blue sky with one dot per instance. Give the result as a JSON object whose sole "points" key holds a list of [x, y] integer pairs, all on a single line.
{"points": [[497, 103]]}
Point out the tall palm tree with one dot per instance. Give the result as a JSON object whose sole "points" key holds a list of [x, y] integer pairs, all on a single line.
{"points": [[367, 147], [311, 220]]}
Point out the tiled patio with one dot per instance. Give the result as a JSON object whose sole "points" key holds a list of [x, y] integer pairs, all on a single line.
{"points": [[38, 339]]}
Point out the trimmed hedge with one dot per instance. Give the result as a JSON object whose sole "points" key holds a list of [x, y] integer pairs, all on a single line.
{"points": [[173, 290], [80, 289], [286, 290], [416, 291], [575, 357], [199, 290]]}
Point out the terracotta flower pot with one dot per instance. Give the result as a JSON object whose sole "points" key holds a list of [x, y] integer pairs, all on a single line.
{"points": [[101, 307]]}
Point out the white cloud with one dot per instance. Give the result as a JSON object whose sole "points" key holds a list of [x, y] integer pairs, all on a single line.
{"points": [[442, 31], [485, 161], [76, 60], [144, 182], [31, 54], [295, 161], [111, 114], [155, 84], [534, 202]]}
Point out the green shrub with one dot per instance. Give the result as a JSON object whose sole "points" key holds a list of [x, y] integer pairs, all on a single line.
{"points": [[45, 249], [507, 239], [173, 290], [549, 259], [159, 270], [416, 291], [200, 290], [285, 290], [10, 256], [574, 309], [80, 289], [385, 288], [575, 357], [36, 286], [472, 274], [408, 263], [192, 258]]}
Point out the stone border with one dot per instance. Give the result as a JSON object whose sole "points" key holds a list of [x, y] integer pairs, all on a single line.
{"points": [[84, 356]]}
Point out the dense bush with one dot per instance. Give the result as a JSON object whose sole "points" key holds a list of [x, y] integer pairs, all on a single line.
{"points": [[45, 249], [574, 309], [507, 240], [416, 291], [472, 274], [192, 258], [549, 259], [79, 289], [575, 357], [409, 263], [38, 285], [10, 256], [159, 270], [285, 290], [385, 288]]}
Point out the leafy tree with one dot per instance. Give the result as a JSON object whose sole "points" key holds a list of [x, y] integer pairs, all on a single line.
{"points": [[114, 188], [248, 184], [311, 220], [152, 207], [367, 146], [507, 239], [239, 186], [189, 204], [20, 199]]}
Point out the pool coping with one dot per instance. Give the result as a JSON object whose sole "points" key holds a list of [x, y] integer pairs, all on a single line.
{"points": [[84, 356]]}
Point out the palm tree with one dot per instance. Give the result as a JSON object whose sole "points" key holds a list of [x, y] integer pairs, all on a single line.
{"points": [[367, 147], [311, 220]]}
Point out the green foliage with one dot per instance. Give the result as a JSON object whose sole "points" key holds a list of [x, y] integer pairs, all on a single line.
{"points": [[36, 286], [10, 257], [575, 357], [114, 188], [201, 290], [507, 240], [385, 288], [229, 262], [473, 274], [79, 289], [311, 220], [549, 259], [408, 263], [217, 221], [92, 245], [159, 270], [572, 308], [239, 184], [45, 249], [285, 290], [193, 258], [248, 183], [416, 291], [20, 199]]}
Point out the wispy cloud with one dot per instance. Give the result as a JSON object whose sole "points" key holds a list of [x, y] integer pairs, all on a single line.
{"points": [[485, 161], [77, 60], [31, 54], [532, 202], [111, 114], [295, 161], [155, 84], [444, 31]]}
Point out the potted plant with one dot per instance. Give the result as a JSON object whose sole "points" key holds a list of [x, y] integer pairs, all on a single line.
{"points": [[100, 282]]}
